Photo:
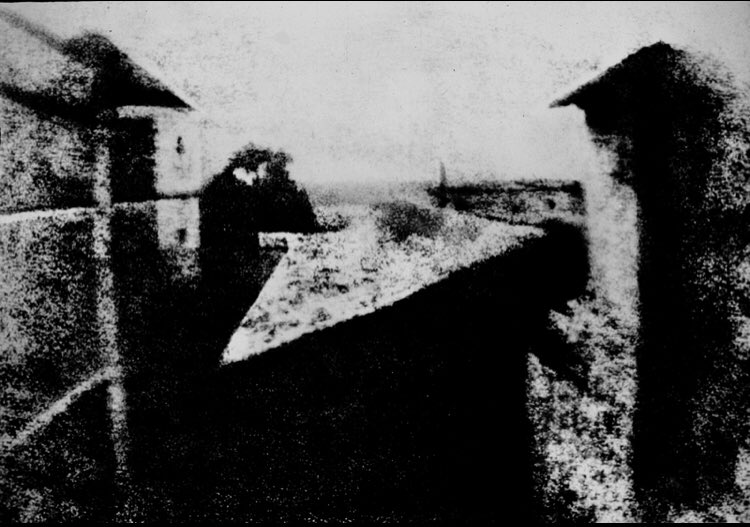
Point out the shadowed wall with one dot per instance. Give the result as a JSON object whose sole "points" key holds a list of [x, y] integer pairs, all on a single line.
{"points": [[677, 129]]}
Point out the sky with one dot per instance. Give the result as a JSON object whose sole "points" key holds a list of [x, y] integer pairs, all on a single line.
{"points": [[378, 91]]}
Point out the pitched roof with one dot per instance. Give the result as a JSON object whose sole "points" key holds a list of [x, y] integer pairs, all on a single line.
{"points": [[122, 81], [636, 65], [326, 279], [117, 79]]}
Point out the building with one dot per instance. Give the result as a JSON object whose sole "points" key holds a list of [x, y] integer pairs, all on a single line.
{"points": [[101, 163], [65, 97], [667, 223]]}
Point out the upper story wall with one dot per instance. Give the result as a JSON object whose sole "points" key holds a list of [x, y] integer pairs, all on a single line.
{"points": [[179, 152], [156, 152], [46, 161]]}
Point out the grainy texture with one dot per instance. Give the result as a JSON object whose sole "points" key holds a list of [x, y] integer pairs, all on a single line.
{"points": [[326, 279], [674, 238], [488, 308]]}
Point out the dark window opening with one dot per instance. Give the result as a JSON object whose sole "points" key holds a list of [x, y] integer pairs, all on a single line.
{"points": [[133, 165]]}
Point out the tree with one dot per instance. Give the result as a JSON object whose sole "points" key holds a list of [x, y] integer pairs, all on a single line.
{"points": [[276, 202]]}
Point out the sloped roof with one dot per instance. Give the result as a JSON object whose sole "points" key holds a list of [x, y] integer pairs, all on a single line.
{"points": [[658, 80], [118, 80], [123, 82], [637, 65], [329, 278]]}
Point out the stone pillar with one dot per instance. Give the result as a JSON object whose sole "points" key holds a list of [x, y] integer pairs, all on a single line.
{"points": [[674, 130]]}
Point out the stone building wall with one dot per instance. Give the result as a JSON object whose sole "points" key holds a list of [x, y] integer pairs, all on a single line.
{"points": [[46, 161], [178, 153], [67, 210]]}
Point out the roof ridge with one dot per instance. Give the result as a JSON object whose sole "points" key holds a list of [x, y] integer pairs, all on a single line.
{"points": [[603, 71], [93, 49]]}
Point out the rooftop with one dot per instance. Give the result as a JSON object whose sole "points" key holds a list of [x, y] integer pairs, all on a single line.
{"points": [[328, 278], [87, 71], [638, 61]]}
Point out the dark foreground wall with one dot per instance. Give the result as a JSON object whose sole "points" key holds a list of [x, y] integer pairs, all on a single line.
{"points": [[65, 439], [416, 412]]}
